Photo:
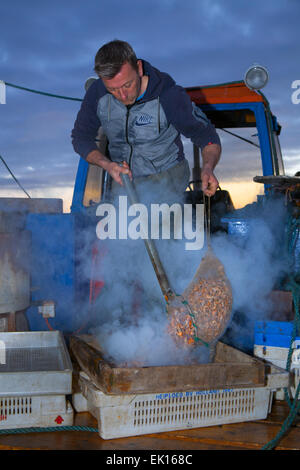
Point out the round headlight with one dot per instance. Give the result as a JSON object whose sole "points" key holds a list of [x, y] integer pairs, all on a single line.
{"points": [[256, 77]]}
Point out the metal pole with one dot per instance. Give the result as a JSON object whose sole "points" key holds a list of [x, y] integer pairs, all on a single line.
{"points": [[151, 248], [197, 169]]}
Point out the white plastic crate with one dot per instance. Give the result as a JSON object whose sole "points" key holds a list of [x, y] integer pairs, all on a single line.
{"points": [[278, 356], [35, 411], [35, 378], [272, 340], [131, 415]]}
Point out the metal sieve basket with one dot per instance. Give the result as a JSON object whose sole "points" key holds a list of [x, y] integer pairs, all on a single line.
{"points": [[33, 359], [34, 363]]}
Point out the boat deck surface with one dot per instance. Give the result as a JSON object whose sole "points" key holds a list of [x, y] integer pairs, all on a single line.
{"points": [[238, 436]]}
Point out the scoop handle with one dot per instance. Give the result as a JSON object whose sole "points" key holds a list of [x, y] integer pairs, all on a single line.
{"points": [[150, 246]]}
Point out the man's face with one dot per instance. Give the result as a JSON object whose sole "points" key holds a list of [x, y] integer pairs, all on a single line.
{"points": [[126, 85]]}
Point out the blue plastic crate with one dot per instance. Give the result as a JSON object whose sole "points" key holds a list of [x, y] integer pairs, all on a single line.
{"points": [[237, 227], [273, 333]]}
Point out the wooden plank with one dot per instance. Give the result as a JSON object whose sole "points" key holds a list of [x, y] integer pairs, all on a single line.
{"points": [[243, 371], [248, 435], [227, 354], [238, 436], [279, 413]]}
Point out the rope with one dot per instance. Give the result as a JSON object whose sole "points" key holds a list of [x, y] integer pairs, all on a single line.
{"points": [[189, 311], [240, 137], [196, 338], [47, 429], [294, 287], [42, 92], [295, 404], [18, 183], [287, 423]]}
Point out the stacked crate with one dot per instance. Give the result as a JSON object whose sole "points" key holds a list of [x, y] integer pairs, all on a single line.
{"points": [[35, 379], [272, 342]]}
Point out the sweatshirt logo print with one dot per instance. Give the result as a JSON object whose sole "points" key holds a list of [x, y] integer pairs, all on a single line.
{"points": [[143, 120]]}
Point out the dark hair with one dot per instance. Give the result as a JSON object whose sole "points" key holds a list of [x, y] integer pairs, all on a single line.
{"points": [[110, 58]]}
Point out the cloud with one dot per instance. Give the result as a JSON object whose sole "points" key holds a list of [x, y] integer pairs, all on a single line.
{"points": [[50, 46]]}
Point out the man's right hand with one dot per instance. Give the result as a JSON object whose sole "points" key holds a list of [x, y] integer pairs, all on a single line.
{"points": [[114, 169]]}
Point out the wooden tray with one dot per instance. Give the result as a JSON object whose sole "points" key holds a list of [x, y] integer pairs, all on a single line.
{"points": [[231, 369]]}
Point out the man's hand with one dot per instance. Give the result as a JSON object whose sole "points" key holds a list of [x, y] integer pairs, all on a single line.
{"points": [[210, 156], [114, 169], [210, 183]]}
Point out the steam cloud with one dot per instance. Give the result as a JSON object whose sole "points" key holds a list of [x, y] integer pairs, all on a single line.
{"points": [[130, 312]]}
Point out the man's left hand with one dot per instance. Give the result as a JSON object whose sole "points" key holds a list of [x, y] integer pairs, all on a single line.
{"points": [[210, 183], [210, 157]]}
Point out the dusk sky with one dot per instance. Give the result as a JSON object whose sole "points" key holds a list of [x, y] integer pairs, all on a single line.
{"points": [[50, 46]]}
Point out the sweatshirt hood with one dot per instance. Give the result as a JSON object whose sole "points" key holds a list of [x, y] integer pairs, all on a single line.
{"points": [[158, 81]]}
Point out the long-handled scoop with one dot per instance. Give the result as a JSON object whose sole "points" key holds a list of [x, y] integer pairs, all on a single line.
{"points": [[150, 246], [203, 311]]}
